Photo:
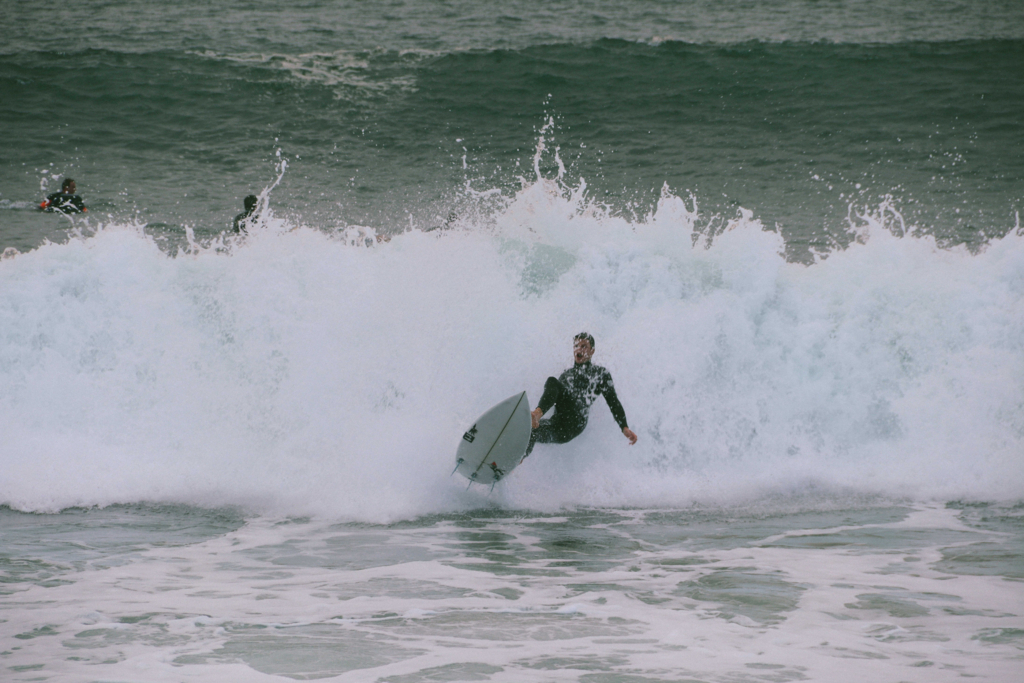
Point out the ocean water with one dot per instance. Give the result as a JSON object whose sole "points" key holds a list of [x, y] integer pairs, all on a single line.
{"points": [[792, 227]]}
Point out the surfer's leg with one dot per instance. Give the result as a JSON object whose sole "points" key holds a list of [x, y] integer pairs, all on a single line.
{"points": [[553, 391], [543, 434], [559, 429], [567, 409], [567, 422]]}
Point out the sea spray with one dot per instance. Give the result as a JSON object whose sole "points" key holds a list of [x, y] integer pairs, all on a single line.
{"points": [[300, 371]]}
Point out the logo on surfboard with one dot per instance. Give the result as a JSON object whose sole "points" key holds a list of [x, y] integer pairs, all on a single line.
{"points": [[498, 472], [470, 435]]}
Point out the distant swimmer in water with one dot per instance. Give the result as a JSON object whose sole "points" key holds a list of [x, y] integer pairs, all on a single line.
{"points": [[448, 222], [65, 201], [571, 395], [250, 207]]}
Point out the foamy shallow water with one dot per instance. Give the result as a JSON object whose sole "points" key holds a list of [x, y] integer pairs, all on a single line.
{"points": [[910, 593]]}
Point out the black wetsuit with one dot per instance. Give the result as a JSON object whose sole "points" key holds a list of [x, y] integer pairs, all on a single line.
{"points": [[241, 220], [572, 394], [65, 203]]}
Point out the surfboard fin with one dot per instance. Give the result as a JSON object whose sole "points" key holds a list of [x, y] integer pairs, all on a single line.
{"points": [[457, 463]]}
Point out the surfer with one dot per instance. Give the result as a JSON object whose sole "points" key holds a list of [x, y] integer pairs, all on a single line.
{"points": [[448, 222], [250, 207], [571, 395], [65, 201]]}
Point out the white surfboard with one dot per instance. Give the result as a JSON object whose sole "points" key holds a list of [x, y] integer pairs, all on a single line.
{"points": [[496, 442]]}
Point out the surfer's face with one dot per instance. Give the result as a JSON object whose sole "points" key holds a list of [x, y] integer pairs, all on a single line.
{"points": [[582, 351]]}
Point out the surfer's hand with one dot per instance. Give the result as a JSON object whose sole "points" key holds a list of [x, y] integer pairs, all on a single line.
{"points": [[535, 416], [629, 435]]}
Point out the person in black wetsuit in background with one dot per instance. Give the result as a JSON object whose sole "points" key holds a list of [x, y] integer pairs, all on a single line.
{"points": [[571, 395], [65, 201], [250, 207]]}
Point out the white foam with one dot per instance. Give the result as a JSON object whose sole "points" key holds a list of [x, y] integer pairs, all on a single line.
{"points": [[302, 373], [275, 601]]}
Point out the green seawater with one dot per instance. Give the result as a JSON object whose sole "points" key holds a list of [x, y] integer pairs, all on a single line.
{"points": [[398, 117]]}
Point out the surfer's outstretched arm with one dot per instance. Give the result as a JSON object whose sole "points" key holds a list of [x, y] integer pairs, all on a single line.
{"points": [[618, 412]]}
